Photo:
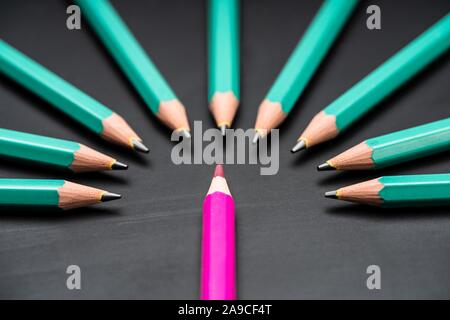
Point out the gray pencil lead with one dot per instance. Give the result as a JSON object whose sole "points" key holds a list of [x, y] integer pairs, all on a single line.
{"points": [[331, 194], [299, 146], [109, 196], [256, 138], [139, 146], [326, 167], [119, 166], [223, 129], [185, 133]]}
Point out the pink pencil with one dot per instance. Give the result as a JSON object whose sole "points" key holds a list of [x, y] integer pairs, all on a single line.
{"points": [[218, 275]]}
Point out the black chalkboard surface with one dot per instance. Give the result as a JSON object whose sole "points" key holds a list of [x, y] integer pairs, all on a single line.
{"points": [[292, 243]]}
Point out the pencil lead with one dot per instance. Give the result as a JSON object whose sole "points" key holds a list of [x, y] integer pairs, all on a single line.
{"points": [[331, 194], [218, 172], [185, 133], [256, 138], [325, 167], [109, 196], [119, 166], [223, 129], [301, 145], [139, 146]]}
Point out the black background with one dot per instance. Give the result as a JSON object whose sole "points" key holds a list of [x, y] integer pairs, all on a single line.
{"points": [[292, 243]]}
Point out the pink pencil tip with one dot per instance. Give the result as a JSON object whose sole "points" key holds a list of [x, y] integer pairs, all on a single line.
{"points": [[219, 171]]}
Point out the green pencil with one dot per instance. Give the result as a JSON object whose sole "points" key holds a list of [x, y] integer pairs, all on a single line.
{"points": [[379, 84], [60, 194], [302, 64], [67, 98], [136, 64], [223, 44], [394, 148], [56, 152], [398, 191]]}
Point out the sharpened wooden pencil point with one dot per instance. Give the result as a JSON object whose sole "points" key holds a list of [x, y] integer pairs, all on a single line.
{"points": [[119, 166], [325, 167], [139, 146], [299, 146], [109, 196], [331, 194]]}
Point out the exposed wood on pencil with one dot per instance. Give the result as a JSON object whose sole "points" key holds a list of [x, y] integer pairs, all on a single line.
{"points": [[87, 159], [173, 114], [223, 107], [356, 158], [218, 183], [72, 195], [365, 193], [321, 128], [270, 115], [117, 130]]}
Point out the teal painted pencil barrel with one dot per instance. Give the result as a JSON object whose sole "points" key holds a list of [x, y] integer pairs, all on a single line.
{"points": [[411, 143], [127, 52], [55, 90], [310, 52], [223, 47], [57, 194], [37, 148], [28, 192], [391, 75], [415, 190]]}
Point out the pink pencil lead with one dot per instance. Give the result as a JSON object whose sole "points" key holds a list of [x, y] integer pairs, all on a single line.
{"points": [[219, 171]]}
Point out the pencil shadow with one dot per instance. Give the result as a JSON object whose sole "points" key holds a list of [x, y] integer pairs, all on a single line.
{"points": [[40, 216], [383, 214]]}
